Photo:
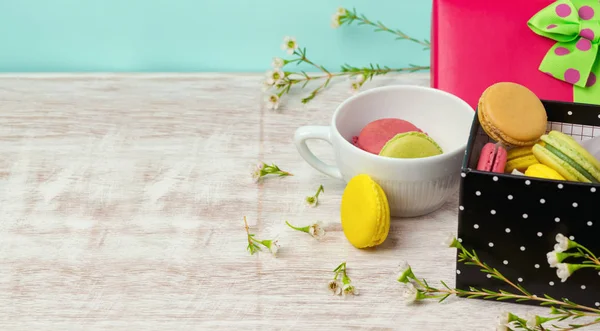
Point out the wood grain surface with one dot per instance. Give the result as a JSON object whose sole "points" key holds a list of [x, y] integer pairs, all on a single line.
{"points": [[122, 200]]}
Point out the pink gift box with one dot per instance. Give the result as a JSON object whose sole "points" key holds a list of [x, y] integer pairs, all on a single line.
{"points": [[478, 43]]}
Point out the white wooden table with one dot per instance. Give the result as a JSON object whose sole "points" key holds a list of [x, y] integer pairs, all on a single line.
{"points": [[121, 208]]}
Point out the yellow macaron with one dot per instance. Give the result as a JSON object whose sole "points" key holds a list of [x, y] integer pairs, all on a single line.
{"points": [[542, 171], [365, 213], [520, 158]]}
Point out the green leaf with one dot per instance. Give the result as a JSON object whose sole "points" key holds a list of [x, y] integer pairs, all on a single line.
{"points": [[446, 286], [523, 289], [444, 298]]}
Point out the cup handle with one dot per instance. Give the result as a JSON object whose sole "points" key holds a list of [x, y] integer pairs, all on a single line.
{"points": [[305, 133]]}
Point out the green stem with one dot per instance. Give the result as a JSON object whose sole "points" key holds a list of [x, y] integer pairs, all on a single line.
{"points": [[582, 325], [319, 191], [345, 279], [303, 229], [362, 19], [474, 259], [491, 295], [342, 266], [274, 169], [303, 58], [420, 282], [591, 256]]}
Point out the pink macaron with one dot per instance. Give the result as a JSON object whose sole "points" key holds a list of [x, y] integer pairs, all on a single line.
{"points": [[492, 158], [376, 134]]}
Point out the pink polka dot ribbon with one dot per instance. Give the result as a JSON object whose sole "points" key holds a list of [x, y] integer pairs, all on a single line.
{"points": [[575, 26]]}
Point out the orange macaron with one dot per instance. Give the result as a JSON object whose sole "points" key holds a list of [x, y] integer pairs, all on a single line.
{"points": [[512, 114]]}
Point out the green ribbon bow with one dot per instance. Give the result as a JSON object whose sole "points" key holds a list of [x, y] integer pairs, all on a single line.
{"points": [[575, 25]]}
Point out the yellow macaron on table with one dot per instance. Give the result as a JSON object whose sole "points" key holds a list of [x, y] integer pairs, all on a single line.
{"points": [[365, 213]]}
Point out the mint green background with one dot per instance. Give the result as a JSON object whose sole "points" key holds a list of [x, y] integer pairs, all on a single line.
{"points": [[200, 35]]}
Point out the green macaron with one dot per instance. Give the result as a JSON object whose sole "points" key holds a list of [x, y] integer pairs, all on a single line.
{"points": [[410, 145], [562, 153]]}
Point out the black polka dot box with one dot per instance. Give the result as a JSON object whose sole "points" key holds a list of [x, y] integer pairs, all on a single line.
{"points": [[512, 221]]}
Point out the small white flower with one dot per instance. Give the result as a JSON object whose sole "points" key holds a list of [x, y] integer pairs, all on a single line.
{"points": [[410, 293], [272, 101], [349, 289], [359, 78], [502, 321], [562, 243], [335, 21], [289, 45], [257, 172], [335, 287], [274, 247], [532, 322], [354, 87], [563, 272], [341, 11], [277, 63], [403, 267], [450, 241], [274, 77], [552, 259], [557, 248], [405, 273], [316, 230]]}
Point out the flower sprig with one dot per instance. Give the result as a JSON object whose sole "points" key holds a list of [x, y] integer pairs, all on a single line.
{"points": [[416, 289], [345, 16], [560, 254], [254, 245], [341, 284], [281, 81], [262, 169], [313, 200], [315, 230]]}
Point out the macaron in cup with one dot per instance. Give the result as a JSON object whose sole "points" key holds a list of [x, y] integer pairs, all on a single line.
{"points": [[413, 186]]}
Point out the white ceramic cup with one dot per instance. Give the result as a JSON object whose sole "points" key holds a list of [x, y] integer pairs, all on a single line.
{"points": [[413, 187]]}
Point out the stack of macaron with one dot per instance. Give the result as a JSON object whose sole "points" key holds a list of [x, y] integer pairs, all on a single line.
{"points": [[516, 119], [365, 212], [396, 138]]}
